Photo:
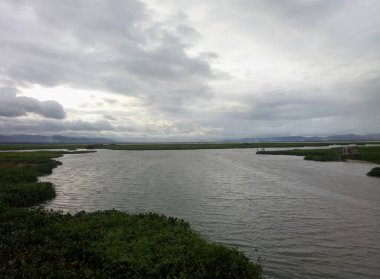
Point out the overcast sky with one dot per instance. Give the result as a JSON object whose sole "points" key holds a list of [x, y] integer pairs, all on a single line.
{"points": [[189, 70]]}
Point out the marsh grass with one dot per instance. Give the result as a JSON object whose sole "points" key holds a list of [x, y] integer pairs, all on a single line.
{"points": [[19, 172], [366, 153], [174, 146], [112, 244], [192, 146], [332, 154], [25, 194], [47, 146]]}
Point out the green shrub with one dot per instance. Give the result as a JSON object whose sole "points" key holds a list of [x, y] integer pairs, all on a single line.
{"points": [[374, 172], [19, 172], [25, 194], [111, 244]]}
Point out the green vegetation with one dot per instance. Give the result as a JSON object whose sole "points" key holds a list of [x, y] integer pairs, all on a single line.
{"points": [[174, 146], [41, 146], [374, 172], [187, 146], [366, 153], [111, 244], [34, 146], [18, 177], [332, 154], [35, 243], [25, 194]]}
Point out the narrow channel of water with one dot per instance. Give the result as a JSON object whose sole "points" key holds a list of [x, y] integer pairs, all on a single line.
{"points": [[306, 219]]}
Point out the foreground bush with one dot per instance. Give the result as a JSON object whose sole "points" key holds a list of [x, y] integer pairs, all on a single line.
{"points": [[25, 194], [111, 244], [19, 173], [374, 172]]}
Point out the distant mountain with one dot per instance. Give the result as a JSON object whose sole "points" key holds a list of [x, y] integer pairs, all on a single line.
{"points": [[349, 137], [51, 139]]}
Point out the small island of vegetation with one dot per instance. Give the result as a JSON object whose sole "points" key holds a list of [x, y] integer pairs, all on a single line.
{"points": [[365, 153], [36, 243], [374, 172]]}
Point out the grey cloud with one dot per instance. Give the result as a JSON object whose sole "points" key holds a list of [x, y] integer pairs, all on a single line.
{"points": [[334, 32], [110, 101], [12, 105], [120, 47], [302, 13], [285, 105], [180, 128], [80, 125], [158, 130], [104, 45], [288, 107], [110, 117], [297, 13], [52, 126], [168, 62]]}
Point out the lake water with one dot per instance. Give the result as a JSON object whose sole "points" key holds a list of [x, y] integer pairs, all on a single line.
{"points": [[305, 219]]}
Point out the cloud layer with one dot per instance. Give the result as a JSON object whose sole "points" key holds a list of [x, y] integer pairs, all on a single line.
{"points": [[12, 105], [206, 69], [107, 45]]}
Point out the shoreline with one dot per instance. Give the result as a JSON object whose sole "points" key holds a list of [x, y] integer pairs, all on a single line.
{"points": [[366, 154], [101, 244]]}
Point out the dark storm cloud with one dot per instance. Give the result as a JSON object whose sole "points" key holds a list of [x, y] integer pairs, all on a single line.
{"points": [[12, 105], [52, 126], [104, 45]]}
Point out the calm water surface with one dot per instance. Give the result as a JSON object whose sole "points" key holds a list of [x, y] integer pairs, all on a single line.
{"points": [[305, 219]]}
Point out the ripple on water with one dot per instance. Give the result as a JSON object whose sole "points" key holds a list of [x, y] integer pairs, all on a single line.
{"points": [[307, 219]]}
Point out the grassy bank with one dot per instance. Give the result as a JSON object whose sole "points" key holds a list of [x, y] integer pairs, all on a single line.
{"points": [[36, 243], [192, 146], [34, 146], [366, 153], [111, 244], [19, 172], [173, 146]]}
